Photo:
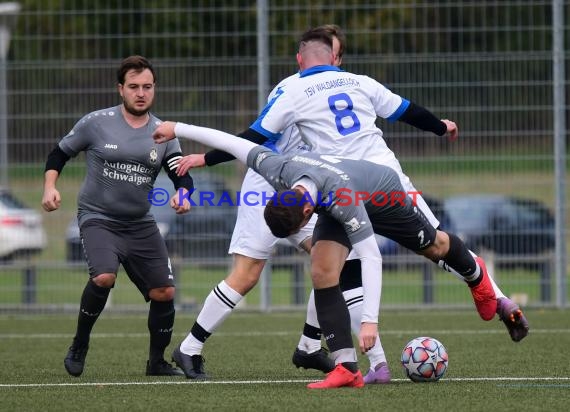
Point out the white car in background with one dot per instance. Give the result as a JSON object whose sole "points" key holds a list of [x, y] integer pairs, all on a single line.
{"points": [[21, 228]]}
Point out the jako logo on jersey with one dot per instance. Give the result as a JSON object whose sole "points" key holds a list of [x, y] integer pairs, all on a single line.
{"points": [[111, 146], [352, 225]]}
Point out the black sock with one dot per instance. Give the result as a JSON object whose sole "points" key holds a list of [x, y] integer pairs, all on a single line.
{"points": [[199, 332], [351, 366], [334, 318], [92, 304], [459, 259], [351, 275], [312, 332], [160, 325]]}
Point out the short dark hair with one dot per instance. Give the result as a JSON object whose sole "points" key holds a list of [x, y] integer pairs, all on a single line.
{"points": [[318, 34], [136, 63], [337, 32], [284, 212]]}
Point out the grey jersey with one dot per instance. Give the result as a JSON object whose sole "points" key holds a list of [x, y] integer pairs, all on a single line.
{"points": [[122, 165], [341, 185]]}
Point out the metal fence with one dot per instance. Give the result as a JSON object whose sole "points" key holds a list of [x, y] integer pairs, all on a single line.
{"points": [[495, 67]]}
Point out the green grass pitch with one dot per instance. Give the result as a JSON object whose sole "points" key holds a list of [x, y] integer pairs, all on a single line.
{"points": [[249, 360]]}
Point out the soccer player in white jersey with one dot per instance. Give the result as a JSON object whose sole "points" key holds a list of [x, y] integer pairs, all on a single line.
{"points": [[335, 112], [251, 245]]}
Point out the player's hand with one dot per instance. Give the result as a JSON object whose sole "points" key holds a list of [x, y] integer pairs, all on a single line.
{"points": [[164, 132], [179, 202], [189, 162], [452, 130], [367, 338], [51, 200]]}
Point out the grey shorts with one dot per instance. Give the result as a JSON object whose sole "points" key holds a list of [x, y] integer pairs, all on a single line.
{"points": [[138, 246], [405, 224]]}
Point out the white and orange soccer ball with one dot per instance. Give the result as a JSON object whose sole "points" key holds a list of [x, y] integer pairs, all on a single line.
{"points": [[424, 359]]}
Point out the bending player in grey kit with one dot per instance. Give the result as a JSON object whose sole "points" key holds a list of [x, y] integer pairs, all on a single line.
{"points": [[349, 197]]}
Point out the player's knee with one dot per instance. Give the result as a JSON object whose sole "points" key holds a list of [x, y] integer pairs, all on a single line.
{"points": [[245, 274], [104, 280], [323, 277], [243, 282], [164, 294]]}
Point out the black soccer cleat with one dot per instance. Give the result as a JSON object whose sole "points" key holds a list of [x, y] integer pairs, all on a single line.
{"points": [[192, 365], [162, 368], [318, 360], [74, 362]]}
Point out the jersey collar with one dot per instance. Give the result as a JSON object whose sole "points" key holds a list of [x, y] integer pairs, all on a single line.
{"points": [[319, 69]]}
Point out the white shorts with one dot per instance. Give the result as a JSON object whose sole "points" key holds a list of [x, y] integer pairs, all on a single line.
{"points": [[251, 236], [389, 159]]}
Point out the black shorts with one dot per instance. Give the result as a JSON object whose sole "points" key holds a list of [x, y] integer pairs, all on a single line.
{"points": [[405, 224], [328, 228], [138, 246]]}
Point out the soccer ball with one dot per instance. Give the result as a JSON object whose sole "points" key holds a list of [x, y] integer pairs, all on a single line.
{"points": [[424, 359]]}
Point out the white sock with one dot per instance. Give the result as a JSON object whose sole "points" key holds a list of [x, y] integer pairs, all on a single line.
{"points": [[447, 268], [217, 307], [307, 344], [353, 298], [498, 292], [191, 346]]}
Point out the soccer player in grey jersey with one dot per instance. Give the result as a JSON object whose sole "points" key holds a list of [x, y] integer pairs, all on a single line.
{"points": [[113, 210], [251, 245], [354, 199]]}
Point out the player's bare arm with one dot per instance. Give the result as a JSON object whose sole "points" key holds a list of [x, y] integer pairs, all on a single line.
{"points": [[51, 199], [164, 132], [179, 202], [452, 130], [190, 161], [367, 336]]}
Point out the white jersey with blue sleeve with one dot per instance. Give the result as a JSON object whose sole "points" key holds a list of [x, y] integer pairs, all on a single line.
{"points": [[335, 112], [290, 138]]}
